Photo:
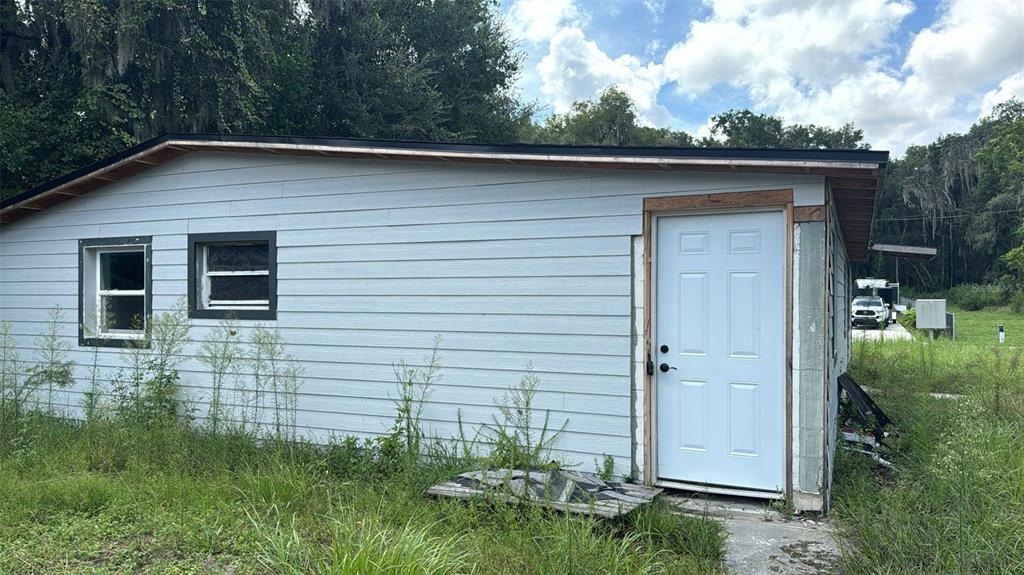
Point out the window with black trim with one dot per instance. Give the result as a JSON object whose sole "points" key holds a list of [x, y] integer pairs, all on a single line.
{"points": [[115, 297], [233, 274]]}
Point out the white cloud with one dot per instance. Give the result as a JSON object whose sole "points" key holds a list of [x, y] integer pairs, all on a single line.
{"points": [[972, 43], [538, 20], [655, 8], [576, 68], [813, 61], [745, 43], [651, 50], [1011, 87], [829, 63]]}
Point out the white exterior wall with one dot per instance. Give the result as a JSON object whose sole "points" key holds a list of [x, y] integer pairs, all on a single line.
{"points": [[510, 265]]}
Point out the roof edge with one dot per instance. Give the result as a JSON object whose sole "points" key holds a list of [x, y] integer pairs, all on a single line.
{"points": [[133, 160]]}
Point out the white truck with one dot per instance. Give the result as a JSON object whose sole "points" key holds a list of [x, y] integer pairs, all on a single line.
{"points": [[869, 311]]}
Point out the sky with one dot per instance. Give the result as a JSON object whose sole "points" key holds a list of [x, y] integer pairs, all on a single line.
{"points": [[903, 71]]}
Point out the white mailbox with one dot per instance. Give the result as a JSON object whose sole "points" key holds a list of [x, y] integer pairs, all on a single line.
{"points": [[931, 313]]}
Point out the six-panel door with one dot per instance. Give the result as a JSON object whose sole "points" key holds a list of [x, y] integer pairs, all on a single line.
{"points": [[719, 349]]}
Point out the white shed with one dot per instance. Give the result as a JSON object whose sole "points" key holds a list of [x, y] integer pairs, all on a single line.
{"points": [[684, 309]]}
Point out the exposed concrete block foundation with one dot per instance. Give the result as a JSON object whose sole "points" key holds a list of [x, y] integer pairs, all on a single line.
{"points": [[808, 365]]}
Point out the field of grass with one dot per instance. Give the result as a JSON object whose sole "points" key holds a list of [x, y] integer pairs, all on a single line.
{"points": [[981, 327], [113, 498], [953, 502]]}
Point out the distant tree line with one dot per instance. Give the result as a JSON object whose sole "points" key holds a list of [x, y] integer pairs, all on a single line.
{"points": [[964, 194], [82, 79]]}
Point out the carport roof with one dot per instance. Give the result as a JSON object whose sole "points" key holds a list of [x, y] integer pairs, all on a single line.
{"points": [[854, 176]]}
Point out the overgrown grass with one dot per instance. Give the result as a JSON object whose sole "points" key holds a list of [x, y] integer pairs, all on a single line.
{"points": [[108, 497], [902, 366], [981, 327], [143, 485], [954, 502]]}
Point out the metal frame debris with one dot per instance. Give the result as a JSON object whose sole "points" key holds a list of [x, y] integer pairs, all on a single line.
{"points": [[562, 490]]}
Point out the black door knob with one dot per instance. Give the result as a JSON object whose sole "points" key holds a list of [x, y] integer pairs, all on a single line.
{"points": [[665, 367], [664, 349]]}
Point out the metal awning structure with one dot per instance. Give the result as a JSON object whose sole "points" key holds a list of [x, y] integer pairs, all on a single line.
{"points": [[912, 252], [853, 176]]}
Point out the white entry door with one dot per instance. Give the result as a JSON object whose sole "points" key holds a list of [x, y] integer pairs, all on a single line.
{"points": [[719, 349]]}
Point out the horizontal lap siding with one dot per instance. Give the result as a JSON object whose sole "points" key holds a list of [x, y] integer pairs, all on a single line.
{"points": [[513, 267]]}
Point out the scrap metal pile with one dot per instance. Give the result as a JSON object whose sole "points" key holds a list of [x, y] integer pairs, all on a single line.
{"points": [[561, 489]]}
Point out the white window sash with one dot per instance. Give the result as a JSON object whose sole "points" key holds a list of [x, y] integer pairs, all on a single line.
{"points": [[102, 331], [239, 273], [122, 292]]}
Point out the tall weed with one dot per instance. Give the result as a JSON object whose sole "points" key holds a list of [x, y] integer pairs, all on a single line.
{"points": [[146, 388], [52, 368], [221, 352], [414, 387], [516, 442], [277, 375], [14, 391]]}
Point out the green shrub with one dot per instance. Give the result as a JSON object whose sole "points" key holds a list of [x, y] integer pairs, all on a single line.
{"points": [[1017, 302], [973, 297], [908, 319]]}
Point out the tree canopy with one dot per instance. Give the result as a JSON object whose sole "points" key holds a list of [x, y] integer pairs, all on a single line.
{"points": [[963, 193], [611, 120], [745, 129], [82, 79]]}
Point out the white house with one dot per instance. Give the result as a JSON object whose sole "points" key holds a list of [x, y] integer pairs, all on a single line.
{"points": [[685, 309]]}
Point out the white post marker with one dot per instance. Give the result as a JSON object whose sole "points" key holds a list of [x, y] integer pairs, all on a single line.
{"points": [[1002, 334]]}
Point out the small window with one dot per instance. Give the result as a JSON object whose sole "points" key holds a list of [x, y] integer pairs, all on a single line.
{"points": [[233, 274], [114, 290]]}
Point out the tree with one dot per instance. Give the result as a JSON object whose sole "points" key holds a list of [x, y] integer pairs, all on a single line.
{"points": [[1015, 257], [610, 121], [963, 193], [745, 129]]}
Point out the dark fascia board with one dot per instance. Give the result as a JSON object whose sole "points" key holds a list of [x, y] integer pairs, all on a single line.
{"points": [[880, 158], [93, 167]]}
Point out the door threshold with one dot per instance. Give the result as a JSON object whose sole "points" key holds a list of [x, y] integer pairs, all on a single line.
{"points": [[719, 490]]}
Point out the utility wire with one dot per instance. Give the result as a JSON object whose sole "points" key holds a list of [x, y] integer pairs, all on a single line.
{"points": [[950, 216]]}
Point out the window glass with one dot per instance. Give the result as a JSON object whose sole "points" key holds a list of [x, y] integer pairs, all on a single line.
{"points": [[123, 313], [240, 288], [122, 270], [868, 301], [227, 258]]}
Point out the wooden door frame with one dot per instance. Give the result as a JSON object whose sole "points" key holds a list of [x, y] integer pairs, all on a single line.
{"points": [[725, 202]]}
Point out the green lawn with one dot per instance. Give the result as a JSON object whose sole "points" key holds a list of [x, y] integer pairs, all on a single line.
{"points": [[111, 498], [981, 327], [954, 500]]}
